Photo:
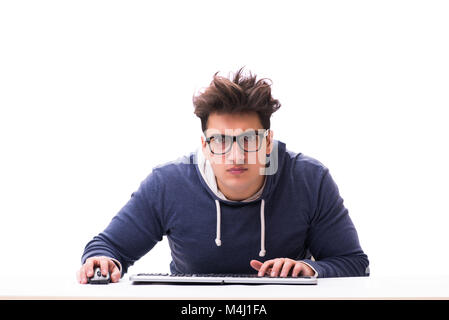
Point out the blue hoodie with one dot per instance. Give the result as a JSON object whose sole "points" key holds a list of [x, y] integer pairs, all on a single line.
{"points": [[299, 215]]}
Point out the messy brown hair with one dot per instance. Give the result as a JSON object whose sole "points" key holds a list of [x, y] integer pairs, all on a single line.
{"points": [[241, 94]]}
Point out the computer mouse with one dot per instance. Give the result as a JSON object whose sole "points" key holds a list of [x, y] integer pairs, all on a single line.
{"points": [[98, 278]]}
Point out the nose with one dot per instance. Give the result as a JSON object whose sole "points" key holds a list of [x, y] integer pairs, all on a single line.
{"points": [[236, 155]]}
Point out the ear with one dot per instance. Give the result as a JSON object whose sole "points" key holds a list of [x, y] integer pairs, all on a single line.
{"points": [[270, 142], [204, 146], [203, 142]]}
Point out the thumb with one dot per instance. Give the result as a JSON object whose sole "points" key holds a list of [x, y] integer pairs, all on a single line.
{"points": [[255, 264]]}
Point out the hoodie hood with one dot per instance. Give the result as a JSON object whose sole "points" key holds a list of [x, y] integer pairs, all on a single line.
{"points": [[208, 179]]}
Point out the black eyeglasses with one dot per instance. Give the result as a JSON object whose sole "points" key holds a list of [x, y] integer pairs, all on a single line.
{"points": [[250, 141]]}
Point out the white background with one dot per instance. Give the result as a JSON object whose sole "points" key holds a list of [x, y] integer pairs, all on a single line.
{"points": [[94, 94]]}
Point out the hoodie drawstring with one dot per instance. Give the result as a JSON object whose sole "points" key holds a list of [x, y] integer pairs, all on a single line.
{"points": [[262, 227], [218, 238]]}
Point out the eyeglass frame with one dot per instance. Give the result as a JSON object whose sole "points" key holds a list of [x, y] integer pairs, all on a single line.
{"points": [[234, 139]]}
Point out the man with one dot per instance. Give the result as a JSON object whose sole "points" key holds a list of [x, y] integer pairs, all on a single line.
{"points": [[242, 203]]}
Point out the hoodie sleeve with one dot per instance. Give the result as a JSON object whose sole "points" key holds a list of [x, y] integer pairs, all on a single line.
{"points": [[136, 228], [332, 238]]}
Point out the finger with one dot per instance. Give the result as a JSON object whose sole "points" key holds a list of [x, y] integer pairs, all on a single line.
{"points": [[264, 269], [288, 264], [114, 271], [104, 266], [307, 270], [115, 274], [298, 269], [111, 265], [255, 264], [277, 267], [89, 266]]}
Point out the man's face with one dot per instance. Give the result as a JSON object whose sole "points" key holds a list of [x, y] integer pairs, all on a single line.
{"points": [[237, 171]]}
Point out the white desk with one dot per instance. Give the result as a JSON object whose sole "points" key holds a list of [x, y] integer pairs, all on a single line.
{"points": [[424, 287]]}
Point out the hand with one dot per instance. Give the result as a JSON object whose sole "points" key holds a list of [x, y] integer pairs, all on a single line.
{"points": [[106, 265], [281, 267]]}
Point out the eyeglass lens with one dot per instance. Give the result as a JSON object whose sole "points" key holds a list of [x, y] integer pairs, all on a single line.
{"points": [[249, 142]]}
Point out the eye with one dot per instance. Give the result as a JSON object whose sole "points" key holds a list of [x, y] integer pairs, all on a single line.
{"points": [[217, 139], [249, 138]]}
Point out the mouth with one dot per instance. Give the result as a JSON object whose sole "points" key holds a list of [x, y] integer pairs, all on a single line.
{"points": [[237, 170]]}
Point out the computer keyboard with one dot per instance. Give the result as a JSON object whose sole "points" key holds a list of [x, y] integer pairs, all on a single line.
{"points": [[218, 279]]}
